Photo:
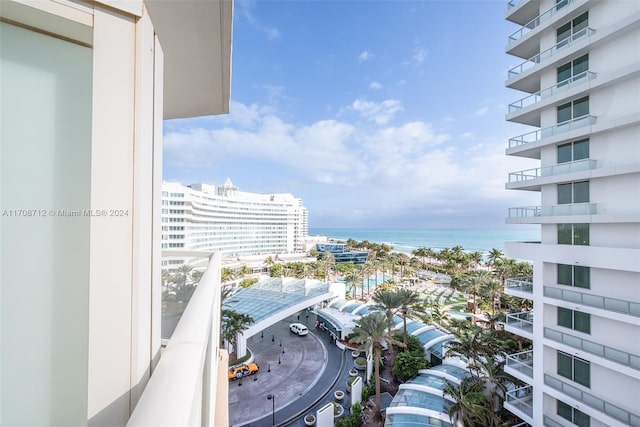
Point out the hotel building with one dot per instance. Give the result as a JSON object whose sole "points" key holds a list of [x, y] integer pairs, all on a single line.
{"points": [[580, 89], [201, 217], [84, 88]]}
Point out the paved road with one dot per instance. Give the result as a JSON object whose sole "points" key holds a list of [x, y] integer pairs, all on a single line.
{"points": [[310, 369]]}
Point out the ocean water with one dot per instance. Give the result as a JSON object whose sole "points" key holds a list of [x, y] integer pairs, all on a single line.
{"points": [[409, 240]]}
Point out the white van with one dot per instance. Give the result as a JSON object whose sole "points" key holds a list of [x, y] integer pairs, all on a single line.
{"points": [[298, 328]]}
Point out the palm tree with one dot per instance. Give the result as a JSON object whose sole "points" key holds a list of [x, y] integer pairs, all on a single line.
{"points": [[470, 405], [388, 302], [268, 263], [473, 285], [492, 371], [371, 333], [409, 302], [327, 262], [234, 324], [492, 289], [184, 283], [494, 257], [353, 279]]}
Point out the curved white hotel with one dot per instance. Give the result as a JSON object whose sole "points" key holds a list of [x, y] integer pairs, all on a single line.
{"points": [[580, 91], [201, 217]]}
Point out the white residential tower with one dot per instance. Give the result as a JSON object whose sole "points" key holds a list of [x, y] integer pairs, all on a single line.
{"points": [[580, 91]]}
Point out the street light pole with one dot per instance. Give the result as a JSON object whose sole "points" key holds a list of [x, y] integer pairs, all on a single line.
{"points": [[272, 398]]}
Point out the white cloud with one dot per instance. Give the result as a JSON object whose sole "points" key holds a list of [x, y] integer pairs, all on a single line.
{"points": [[245, 9], [419, 55], [411, 170], [365, 56], [375, 85], [482, 111], [379, 112]]}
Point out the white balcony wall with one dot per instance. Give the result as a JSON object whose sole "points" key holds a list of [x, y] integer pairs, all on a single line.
{"points": [[45, 167], [601, 14], [626, 139], [618, 284], [616, 195], [615, 235]]}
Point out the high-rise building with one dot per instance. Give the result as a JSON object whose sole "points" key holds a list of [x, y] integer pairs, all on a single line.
{"points": [[580, 86], [201, 217]]}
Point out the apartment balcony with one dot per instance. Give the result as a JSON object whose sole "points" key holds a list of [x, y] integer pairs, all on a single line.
{"points": [[520, 324], [517, 76], [519, 287], [614, 258], [524, 43], [627, 308], [608, 353], [533, 179], [522, 11], [550, 214], [530, 143], [527, 110], [592, 401], [189, 385], [520, 403], [520, 365]]}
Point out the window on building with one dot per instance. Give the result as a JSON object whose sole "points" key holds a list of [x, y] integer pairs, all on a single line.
{"points": [[572, 110], [573, 234], [572, 27], [573, 192], [574, 275], [573, 151], [573, 415], [573, 68], [576, 320], [574, 368]]}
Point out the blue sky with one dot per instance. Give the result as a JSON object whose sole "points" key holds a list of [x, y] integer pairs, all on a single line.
{"points": [[378, 114]]}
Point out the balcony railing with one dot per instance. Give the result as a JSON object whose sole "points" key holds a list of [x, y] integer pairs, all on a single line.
{"points": [[523, 320], [555, 210], [592, 401], [538, 20], [564, 85], [182, 388], [567, 126], [559, 169], [521, 398], [596, 301], [533, 61], [522, 284], [606, 352], [521, 362], [549, 422]]}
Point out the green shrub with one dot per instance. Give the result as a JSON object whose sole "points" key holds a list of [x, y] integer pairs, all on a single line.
{"points": [[407, 365]]}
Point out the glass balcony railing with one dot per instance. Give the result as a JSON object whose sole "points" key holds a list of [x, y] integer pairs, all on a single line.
{"points": [[523, 321], [596, 301], [555, 210], [606, 352], [538, 20], [182, 388], [522, 399], [622, 415], [533, 61], [559, 169], [548, 422], [539, 134], [564, 85], [522, 284], [521, 362]]}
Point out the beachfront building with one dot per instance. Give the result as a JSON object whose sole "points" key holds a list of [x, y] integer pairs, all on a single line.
{"points": [[203, 217], [341, 253], [580, 89], [85, 86]]}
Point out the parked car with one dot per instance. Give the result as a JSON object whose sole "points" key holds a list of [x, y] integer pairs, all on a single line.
{"points": [[240, 371], [299, 329]]}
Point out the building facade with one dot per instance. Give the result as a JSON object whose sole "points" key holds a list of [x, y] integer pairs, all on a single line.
{"points": [[84, 89], [341, 253], [580, 90], [203, 217]]}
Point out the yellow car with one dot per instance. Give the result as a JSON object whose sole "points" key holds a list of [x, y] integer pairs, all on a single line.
{"points": [[240, 371]]}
